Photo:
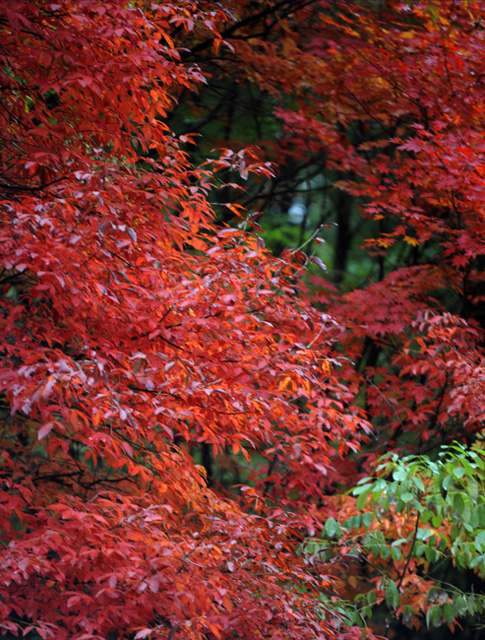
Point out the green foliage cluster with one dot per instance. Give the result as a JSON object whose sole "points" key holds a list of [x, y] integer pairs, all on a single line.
{"points": [[443, 499]]}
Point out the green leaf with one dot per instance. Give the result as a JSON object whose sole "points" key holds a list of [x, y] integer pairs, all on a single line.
{"points": [[461, 605], [361, 489], [399, 474], [478, 459], [458, 472], [385, 552], [459, 504], [418, 506], [432, 554], [418, 483], [331, 527], [449, 612], [455, 532], [476, 560], [366, 612], [426, 516], [433, 467], [471, 605], [436, 521], [480, 540], [363, 481], [434, 616], [408, 615], [474, 519], [367, 520], [392, 595], [447, 482], [379, 486], [362, 499], [395, 553], [481, 516], [423, 534]]}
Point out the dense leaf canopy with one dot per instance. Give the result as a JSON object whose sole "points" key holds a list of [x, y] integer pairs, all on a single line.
{"points": [[204, 437]]}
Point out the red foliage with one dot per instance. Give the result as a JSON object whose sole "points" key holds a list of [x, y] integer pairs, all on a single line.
{"points": [[134, 329]]}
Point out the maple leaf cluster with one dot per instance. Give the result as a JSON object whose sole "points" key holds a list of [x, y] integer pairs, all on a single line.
{"points": [[133, 330]]}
